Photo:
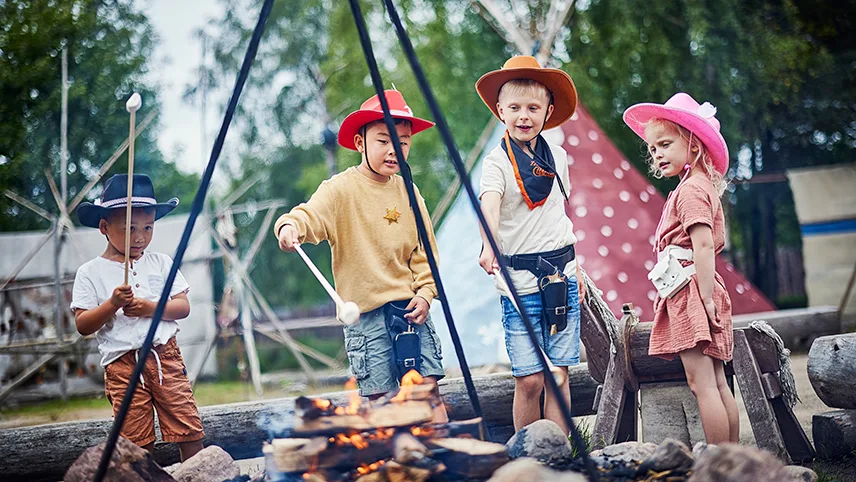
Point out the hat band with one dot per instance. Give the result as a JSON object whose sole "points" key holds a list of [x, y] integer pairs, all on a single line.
{"points": [[124, 201]]}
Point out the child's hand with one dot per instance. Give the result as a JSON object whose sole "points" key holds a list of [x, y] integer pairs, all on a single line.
{"points": [[710, 309], [122, 295], [140, 307], [487, 260], [581, 286], [288, 237], [420, 308]]}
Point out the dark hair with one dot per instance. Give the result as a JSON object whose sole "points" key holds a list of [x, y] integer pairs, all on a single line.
{"points": [[398, 122]]}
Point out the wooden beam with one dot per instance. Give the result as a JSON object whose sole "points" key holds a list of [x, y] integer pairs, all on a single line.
{"points": [[29, 205], [513, 34]]}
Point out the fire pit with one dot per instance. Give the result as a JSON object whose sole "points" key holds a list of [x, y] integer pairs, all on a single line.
{"points": [[386, 440]]}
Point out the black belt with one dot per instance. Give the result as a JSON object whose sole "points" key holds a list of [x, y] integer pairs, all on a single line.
{"points": [[535, 262]]}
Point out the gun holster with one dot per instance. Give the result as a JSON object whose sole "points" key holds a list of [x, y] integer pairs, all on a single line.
{"points": [[406, 341]]}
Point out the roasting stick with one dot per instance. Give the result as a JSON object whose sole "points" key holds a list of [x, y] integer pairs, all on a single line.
{"points": [[346, 312], [132, 106]]}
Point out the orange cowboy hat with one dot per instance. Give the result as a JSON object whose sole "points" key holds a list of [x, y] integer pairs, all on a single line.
{"points": [[371, 111], [558, 82]]}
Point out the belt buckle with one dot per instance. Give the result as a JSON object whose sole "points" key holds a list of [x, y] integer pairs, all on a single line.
{"points": [[409, 362], [561, 310]]}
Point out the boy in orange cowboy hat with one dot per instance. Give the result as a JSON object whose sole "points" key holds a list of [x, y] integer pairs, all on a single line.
{"points": [[523, 189], [378, 261]]}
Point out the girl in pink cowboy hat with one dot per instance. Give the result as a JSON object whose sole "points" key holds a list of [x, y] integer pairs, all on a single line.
{"points": [[692, 312]]}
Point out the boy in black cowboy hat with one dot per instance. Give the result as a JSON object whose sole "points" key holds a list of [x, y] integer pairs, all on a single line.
{"points": [[120, 315]]}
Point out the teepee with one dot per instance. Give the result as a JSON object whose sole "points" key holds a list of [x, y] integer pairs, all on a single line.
{"points": [[615, 210]]}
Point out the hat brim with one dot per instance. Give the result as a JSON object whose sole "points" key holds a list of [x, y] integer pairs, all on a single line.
{"points": [[90, 215], [555, 80], [351, 125], [637, 116]]}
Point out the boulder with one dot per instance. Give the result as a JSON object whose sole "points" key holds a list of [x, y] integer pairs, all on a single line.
{"points": [[129, 463], [737, 463], [530, 470], [670, 455], [543, 441], [211, 464]]}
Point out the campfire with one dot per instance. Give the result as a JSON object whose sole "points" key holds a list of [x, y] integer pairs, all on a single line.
{"points": [[387, 440]]}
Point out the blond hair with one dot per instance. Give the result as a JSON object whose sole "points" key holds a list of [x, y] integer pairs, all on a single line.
{"points": [[525, 87], [702, 156]]}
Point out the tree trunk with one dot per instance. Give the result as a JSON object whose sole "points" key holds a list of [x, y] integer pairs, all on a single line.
{"points": [[834, 433]]}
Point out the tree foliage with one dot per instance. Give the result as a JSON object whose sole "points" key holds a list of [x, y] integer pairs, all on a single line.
{"points": [[108, 42]]}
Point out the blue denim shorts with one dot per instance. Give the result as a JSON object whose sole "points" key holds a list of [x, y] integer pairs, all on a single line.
{"points": [[369, 347], [563, 348]]}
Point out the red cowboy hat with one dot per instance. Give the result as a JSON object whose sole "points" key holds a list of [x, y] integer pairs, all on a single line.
{"points": [[371, 111]]}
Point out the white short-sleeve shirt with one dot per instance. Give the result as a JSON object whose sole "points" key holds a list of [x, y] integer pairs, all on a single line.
{"points": [[521, 230], [94, 284]]}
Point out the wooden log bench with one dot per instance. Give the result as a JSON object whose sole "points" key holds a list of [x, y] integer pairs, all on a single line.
{"points": [[755, 366], [832, 373]]}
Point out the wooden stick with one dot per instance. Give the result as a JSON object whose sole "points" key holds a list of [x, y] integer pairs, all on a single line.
{"points": [[132, 106], [321, 279]]}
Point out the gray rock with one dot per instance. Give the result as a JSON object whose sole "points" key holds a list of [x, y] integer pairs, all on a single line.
{"points": [[129, 463], [736, 463], [796, 473], [626, 452], [530, 470], [542, 440], [670, 455], [211, 464], [700, 447]]}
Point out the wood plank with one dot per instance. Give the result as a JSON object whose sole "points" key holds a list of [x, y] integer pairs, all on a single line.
{"points": [[795, 438], [467, 457], [611, 407], [391, 415], [832, 369], [595, 338], [768, 436]]}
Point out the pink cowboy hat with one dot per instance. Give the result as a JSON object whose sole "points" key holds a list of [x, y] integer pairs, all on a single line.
{"points": [[683, 110], [370, 111]]}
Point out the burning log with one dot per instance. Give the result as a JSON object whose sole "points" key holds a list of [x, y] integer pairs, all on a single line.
{"points": [[404, 414], [407, 449], [468, 457]]}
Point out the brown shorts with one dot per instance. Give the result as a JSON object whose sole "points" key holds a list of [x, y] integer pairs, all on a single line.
{"points": [[178, 416]]}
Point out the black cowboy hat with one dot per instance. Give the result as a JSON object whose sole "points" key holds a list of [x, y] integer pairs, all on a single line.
{"points": [[115, 196]]}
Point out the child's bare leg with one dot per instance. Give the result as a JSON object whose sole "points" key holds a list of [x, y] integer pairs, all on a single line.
{"points": [[701, 377], [189, 449], [551, 406], [526, 407], [440, 415], [728, 401]]}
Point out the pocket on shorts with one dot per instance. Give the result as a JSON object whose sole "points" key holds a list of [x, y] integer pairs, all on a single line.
{"points": [[356, 348]]}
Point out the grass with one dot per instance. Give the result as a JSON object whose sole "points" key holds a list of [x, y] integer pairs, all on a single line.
{"points": [[205, 393], [585, 428]]}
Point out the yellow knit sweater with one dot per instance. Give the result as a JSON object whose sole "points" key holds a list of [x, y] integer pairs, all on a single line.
{"points": [[377, 257]]}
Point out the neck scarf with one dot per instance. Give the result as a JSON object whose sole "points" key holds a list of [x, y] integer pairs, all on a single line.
{"points": [[534, 175]]}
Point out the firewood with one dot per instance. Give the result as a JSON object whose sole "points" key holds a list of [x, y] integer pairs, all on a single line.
{"points": [[391, 415], [468, 457], [406, 448], [832, 369], [396, 472], [323, 453]]}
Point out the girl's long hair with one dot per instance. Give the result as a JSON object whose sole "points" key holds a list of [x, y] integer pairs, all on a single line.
{"points": [[702, 157]]}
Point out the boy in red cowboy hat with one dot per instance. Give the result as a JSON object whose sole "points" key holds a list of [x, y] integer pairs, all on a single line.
{"points": [[120, 316], [692, 310], [523, 189], [378, 261]]}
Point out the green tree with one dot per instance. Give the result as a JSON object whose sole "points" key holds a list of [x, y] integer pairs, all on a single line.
{"points": [[108, 43]]}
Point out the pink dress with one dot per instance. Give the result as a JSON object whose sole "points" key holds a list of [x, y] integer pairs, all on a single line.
{"points": [[680, 322]]}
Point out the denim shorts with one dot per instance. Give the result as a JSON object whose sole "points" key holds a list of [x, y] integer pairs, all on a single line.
{"points": [[563, 348], [369, 347]]}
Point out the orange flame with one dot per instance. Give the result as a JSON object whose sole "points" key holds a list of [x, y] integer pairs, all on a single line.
{"points": [[409, 379], [422, 431], [356, 440], [353, 407], [322, 403], [365, 469]]}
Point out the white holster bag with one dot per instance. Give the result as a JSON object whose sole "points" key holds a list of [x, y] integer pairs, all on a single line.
{"points": [[668, 276]]}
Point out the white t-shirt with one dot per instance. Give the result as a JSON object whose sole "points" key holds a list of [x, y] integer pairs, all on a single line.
{"points": [[94, 284], [521, 230]]}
